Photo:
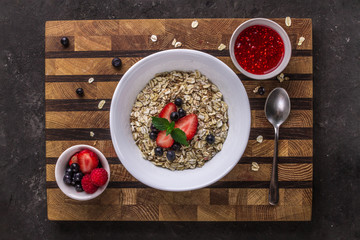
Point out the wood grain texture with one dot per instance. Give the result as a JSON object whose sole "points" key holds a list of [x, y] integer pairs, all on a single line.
{"points": [[242, 194]]}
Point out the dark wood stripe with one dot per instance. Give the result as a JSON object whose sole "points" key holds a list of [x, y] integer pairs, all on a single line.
{"points": [[296, 103], [243, 160], [142, 53], [60, 105], [104, 133], [108, 78], [220, 184], [64, 105]]}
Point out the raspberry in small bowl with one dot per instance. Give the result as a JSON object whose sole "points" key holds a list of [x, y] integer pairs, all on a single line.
{"points": [[82, 172]]}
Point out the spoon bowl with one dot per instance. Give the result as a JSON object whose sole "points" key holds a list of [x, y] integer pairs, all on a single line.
{"points": [[277, 110], [277, 106]]}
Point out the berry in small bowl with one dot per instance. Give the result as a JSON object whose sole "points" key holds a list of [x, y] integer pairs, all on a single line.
{"points": [[82, 172]]}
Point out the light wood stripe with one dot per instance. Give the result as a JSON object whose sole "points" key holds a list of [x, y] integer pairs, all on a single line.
{"points": [[287, 148], [105, 90], [220, 29], [102, 66], [241, 172], [100, 119]]}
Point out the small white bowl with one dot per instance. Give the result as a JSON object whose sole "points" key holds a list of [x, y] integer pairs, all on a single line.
{"points": [[60, 168], [276, 27], [136, 78]]}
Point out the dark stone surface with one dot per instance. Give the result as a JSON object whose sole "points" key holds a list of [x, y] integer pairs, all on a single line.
{"points": [[337, 106]]}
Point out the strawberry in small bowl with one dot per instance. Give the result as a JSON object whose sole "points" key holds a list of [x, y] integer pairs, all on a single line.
{"points": [[82, 172]]}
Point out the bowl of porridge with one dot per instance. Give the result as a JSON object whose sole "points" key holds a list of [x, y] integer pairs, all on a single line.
{"points": [[179, 120]]}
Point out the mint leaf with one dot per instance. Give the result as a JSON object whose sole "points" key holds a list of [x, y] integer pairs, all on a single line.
{"points": [[160, 123], [179, 136], [170, 128]]}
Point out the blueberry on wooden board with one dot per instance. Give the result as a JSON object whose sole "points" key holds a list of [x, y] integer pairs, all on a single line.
{"points": [[116, 62], [80, 91], [65, 41]]}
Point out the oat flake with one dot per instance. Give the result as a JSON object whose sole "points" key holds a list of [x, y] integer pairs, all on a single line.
{"points": [[101, 104], [254, 166], [92, 134], [178, 44], [288, 21], [194, 24], [153, 38], [221, 47], [256, 89], [280, 77], [91, 80], [173, 42], [301, 40], [259, 139]]}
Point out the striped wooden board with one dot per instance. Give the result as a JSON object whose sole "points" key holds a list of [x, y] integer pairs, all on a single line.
{"points": [[242, 195]]}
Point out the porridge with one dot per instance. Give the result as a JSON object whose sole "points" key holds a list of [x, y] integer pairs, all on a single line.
{"points": [[179, 120]]}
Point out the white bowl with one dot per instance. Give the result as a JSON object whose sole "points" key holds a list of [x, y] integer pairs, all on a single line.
{"points": [[273, 25], [61, 165], [135, 79]]}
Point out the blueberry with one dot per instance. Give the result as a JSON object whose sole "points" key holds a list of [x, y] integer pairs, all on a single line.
{"points": [[80, 91], [182, 113], [78, 188], [67, 180], [261, 90], [68, 171], [174, 116], [75, 167], [178, 102], [153, 128], [78, 177], [116, 62], [176, 146], [158, 151], [153, 135], [170, 155], [210, 138], [65, 41]]}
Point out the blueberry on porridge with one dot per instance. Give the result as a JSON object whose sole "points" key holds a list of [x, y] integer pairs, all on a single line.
{"points": [[179, 120]]}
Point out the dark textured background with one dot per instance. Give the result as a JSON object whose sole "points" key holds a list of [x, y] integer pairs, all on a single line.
{"points": [[336, 26]]}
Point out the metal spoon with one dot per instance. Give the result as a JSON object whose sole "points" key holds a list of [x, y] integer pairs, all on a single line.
{"points": [[277, 110]]}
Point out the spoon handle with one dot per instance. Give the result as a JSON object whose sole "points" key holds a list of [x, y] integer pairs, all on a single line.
{"points": [[274, 188]]}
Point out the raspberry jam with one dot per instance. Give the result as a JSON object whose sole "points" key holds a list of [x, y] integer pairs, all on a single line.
{"points": [[259, 49]]}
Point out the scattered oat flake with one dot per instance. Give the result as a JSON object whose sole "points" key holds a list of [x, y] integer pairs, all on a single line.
{"points": [[194, 24], [259, 139], [153, 38], [92, 134], [221, 47], [178, 44], [101, 104], [288, 21], [256, 89], [173, 42], [91, 80], [280, 77], [94, 144], [301, 40], [255, 167], [286, 78]]}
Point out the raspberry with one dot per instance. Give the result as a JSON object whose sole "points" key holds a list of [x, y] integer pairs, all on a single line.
{"points": [[87, 185], [99, 176]]}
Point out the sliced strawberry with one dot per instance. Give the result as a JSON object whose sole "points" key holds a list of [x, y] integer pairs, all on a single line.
{"points": [[164, 141], [74, 159], [167, 110], [87, 160], [188, 124]]}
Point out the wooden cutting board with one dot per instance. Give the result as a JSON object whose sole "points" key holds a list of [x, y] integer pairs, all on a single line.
{"points": [[242, 195]]}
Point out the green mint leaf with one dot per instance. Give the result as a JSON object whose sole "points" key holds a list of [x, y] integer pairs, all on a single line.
{"points": [[160, 123], [179, 136], [170, 128]]}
